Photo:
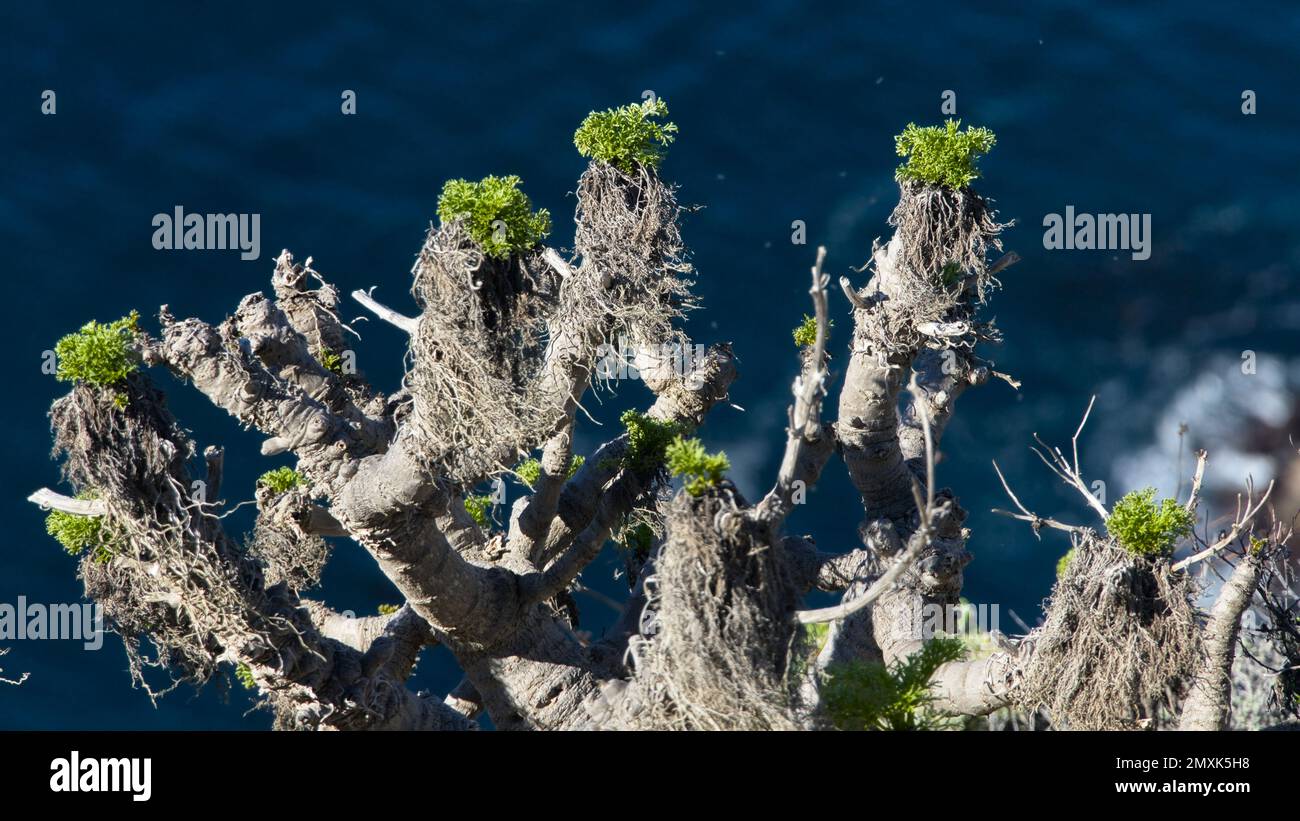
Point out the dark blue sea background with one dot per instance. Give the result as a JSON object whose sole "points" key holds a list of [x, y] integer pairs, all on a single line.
{"points": [[787, 112]]}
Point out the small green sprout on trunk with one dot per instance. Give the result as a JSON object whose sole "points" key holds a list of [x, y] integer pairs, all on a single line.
{"points": [[647, 440], [699, 469], [1063, 563], [1146, 528], [942, 155], [867, 695], [530, 470], [479, 509], [626, 137], [282, 479], [389, 609], [244, 675], [806, 334], [497, 215], [77, 533]]}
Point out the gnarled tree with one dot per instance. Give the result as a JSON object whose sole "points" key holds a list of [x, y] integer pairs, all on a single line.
{"points": [[714, 633]]}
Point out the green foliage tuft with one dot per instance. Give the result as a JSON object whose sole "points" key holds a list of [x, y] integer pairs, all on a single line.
{"points": [[806, 334], [1063, 564], [77, 533], [866, 695], [389, 609], [627, 136], [942, 155], [331, 361], [530, 470], [700, 469], [99, 354], [1144, 527], [481, 204], [244, 675], [282, 479], [480, 509], [647, 439]]}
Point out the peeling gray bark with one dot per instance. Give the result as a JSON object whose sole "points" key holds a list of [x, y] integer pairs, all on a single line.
{"points": [[1207, 705]]}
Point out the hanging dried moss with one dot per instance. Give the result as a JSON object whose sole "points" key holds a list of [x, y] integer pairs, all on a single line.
{"points": [[172, 575], [478, 354], [717, 645], [1120, 645], [634, 279]]}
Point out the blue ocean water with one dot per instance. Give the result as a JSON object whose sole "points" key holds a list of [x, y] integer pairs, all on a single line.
{"points": [[787, 112]]}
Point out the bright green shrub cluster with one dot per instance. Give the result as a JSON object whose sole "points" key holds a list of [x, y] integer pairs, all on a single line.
{"points": [[700, 469], [647, 439], [530, 470], [867, 695], [1063, 564], [479, 509], [1144, 527], [77, 533], [99, 354], [331, 361], [627, 136], [244, 675], [389, 609], [482, 205], [282, 479], [806, 334], [942, 155]]}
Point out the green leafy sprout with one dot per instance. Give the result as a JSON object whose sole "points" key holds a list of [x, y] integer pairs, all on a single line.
{"points": [[647, 441], [530, 470], [77, 533], [806, 334], [700, 469], [626, 137], [98, 354], [244, 674], [282, 479], [1063, 563], [942, 155], [497, 215], [867, 695], [389, 609], [480, 509], [1145, 527], [331, 361]]}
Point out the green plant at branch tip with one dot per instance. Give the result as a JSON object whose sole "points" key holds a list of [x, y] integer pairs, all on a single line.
{"points": [[700, 469], [389, 609], [530, 470], [77, 533], [942, 155], [806, 334], [497, 215], [244, 675], [1257, 545], [480, 509], [647, 439], [627, 136], [867, 695], [98, 354], [1146, 528], [282, 479], [1063, 563], [331, 361]]}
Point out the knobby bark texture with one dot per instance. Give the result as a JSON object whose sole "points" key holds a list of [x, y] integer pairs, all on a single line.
{"points": [[712, 634]]}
